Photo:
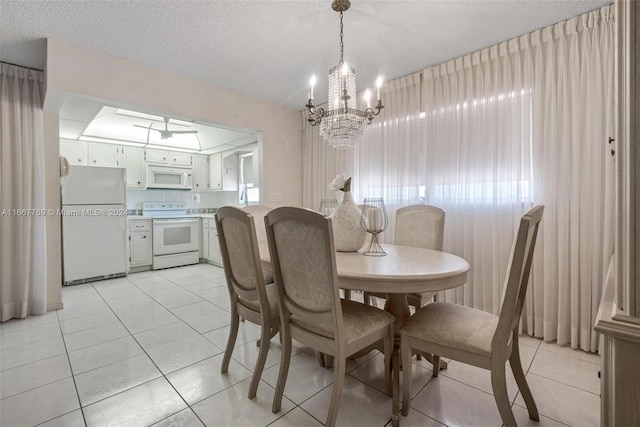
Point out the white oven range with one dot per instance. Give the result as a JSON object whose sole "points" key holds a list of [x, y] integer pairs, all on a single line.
{"points": [[176, 234]]}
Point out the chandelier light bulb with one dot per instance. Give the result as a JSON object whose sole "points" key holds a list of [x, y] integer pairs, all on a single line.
{"points": [[378, 85], [345, 69], [312, 83]]}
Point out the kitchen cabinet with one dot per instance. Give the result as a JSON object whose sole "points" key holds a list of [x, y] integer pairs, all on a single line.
{"points": [[135, 165], [140, 244], [180, 159], [200, 172], [166, 157], [223, 172], [109, 155], [74, 151], [230, 168], [215, 171], [210, 246], [157, 156]]}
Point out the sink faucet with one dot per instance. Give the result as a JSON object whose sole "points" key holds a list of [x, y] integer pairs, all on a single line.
{"points": [[243, 197]]}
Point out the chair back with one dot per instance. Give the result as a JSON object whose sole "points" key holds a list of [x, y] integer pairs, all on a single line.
{"points": [[258, 212], [517, 277], [303, 259], [241, 259], [420, 226]]}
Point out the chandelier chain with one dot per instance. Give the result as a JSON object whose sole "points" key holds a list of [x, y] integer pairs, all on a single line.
{"points": [[341, 42]]}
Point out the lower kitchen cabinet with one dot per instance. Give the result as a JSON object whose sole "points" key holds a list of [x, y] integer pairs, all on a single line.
{"points": [[140, 245], [210, 246]]}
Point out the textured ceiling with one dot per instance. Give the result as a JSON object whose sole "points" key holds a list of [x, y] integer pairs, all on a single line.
{"points": [[269, 49]]}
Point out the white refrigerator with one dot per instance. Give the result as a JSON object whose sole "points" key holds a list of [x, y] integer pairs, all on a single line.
{"points": [[94, 224]]}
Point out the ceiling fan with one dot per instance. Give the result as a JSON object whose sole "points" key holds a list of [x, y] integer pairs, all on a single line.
{"points": [[166, 133]]}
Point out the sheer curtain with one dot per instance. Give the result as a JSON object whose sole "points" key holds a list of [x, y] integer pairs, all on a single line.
{"points": [[526, 122], [521, 123], [22, 224]]}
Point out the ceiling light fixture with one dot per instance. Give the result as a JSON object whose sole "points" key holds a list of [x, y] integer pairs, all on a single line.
{"points": [[341, 123]]}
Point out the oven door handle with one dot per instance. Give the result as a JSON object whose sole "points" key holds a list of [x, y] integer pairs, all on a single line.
{"points": [[176, 221]]}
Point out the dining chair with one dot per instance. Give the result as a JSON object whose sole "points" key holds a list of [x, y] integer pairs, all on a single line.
{"points": [[475, 337], [302, 254], [253, 294], [418, 226]]}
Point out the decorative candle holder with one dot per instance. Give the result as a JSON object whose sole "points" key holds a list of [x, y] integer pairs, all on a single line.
{"points": [[328, 207], [374, 220]]}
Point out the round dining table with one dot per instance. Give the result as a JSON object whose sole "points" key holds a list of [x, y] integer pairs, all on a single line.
{"points": [[403, 270]]}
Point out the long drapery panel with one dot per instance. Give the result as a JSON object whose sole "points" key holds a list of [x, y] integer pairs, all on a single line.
{"points": [[22, 199], [521, 123]]}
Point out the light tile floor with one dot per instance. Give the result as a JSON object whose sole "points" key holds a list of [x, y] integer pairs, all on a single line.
{"points": [[147, 349]]}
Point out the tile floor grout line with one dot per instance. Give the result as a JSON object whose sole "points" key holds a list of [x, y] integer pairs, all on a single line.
{"points": [[75, 385], [563, 383]]}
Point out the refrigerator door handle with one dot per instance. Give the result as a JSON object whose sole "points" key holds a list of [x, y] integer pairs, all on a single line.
{"points": [[64, 166]]}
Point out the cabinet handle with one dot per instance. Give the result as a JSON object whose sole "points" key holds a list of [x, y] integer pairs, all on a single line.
{"points": [[138, 182], [164, 158], [94, 161], [144, 237], [79, 160]]}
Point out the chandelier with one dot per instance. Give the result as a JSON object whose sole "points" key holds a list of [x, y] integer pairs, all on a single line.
{"points": [[341, 123]]}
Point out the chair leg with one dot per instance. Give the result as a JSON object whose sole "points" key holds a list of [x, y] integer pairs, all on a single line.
{"points": [[499, 385], [265, 333], [395, 419], [518, 373], [367, 298], [231, 342], [321, 360], [436, 365], [285, 358], [388, 355], [405, 350], [336, 394]]}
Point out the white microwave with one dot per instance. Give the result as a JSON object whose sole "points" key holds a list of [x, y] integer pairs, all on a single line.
{"points": [[169, 177]]}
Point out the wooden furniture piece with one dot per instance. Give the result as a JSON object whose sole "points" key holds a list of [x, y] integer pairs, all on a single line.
{"points": [[311, 310], [403, 270], [253, 294], [418, 226], [476, 337]]}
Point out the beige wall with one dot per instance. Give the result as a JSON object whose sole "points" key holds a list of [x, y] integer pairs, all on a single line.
{"points": [[75, 71]]}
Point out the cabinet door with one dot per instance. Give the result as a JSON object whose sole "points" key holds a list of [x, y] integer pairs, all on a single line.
{"points": [[204, 240], [157, 156], [215, 171], [140, 252], [134, 162], [200, 173], [214, 247], [74, 151], [180, 159], [104, 155], [230, 170]]}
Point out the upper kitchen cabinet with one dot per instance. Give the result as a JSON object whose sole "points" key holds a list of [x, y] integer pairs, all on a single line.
{"points": [[215, 171], [167, 157], [74, 151], [109, 155], [136, 171], [230, 169], [200, 172]]}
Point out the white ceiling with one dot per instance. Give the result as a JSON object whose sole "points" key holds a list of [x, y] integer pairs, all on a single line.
{"points": [[269, 49]]}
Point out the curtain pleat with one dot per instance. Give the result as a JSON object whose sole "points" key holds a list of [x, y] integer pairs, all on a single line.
{"points": [[22, 198]]}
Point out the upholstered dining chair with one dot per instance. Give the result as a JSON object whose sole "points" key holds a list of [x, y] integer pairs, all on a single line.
{"points": [[311, 311], [475, 337], [253, 294], [418, 226]]}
